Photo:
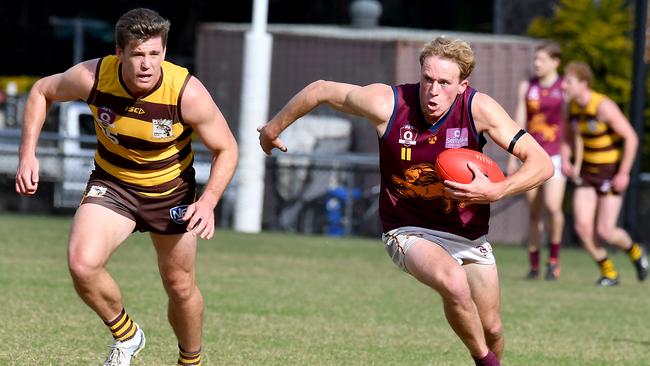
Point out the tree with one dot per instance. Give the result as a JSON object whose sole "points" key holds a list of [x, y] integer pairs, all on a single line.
{"points": [[598, 32]]}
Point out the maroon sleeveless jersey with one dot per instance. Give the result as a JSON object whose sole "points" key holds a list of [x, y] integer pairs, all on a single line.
{"points": [[545, 115], [412, 194]]}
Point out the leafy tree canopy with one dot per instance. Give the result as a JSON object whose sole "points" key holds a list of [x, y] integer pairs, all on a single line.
{"points": [[600, 34]]}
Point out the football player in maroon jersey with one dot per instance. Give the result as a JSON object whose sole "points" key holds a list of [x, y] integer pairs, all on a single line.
{"points": [[435, 230], [541, 111]]}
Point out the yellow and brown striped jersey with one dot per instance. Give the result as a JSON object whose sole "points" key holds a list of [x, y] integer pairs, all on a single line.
{"points": [[602, 145], [142, 142]]}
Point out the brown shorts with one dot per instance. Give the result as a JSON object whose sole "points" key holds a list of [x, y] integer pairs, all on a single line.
{"points": [[598, 176], [160, 215]]}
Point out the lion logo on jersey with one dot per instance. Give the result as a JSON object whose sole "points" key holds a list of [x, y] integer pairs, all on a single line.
{"points": [[422, 181], [539, 125]]}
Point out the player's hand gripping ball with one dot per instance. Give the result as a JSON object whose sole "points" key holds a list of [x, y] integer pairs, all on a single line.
{"points": [[452, 165]]}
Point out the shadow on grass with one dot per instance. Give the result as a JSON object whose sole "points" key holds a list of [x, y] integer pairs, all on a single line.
{"points": [[631, 340]]}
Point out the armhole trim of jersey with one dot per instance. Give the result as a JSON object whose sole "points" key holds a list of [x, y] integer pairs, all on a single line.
{"points": [[470, 99], [93, 91], [180, 97], [395, 107]]}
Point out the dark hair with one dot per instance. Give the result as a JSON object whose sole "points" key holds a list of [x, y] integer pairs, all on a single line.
{"points": [[553, 49], [140, 24]]}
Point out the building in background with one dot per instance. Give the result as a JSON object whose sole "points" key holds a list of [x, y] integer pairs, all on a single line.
{"points": [[304, 53]]}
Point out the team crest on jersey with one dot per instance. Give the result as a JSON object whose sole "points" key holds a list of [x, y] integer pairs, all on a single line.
{"points": [[432, 139], [456, 137], [106, 116], [592, 124], [162, 128], [177, 213], [533, 93], [96, 191], [407, 135]]}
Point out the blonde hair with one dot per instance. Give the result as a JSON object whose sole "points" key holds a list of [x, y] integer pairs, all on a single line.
{"points": [[581, 70], [455, 50]]}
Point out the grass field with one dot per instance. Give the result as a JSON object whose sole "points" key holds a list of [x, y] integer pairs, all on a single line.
{"points": [[277, 299]]}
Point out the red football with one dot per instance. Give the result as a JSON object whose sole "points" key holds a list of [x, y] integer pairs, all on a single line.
{"points": [[452, 165]]}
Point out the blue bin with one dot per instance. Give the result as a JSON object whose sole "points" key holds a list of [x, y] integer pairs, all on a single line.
{"points": [[335, 203]]}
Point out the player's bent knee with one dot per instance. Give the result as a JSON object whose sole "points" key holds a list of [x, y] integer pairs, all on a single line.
{"points": [[556, 212], [82, 267], [583, 229], [180, 288], [180, 292], [605, 232], [493, 330], [456, 291]]}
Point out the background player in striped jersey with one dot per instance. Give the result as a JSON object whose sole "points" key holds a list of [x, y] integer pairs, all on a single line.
{"points": [[606, 147], [540, 109], [145, 111], [433, 230]]}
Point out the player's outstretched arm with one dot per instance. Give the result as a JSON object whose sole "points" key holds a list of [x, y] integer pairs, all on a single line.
{"points": [[374, 102], [73, 84]]}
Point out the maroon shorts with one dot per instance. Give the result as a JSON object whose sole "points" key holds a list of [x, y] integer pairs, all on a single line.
{"points": [[158, 214], [598, 176]]}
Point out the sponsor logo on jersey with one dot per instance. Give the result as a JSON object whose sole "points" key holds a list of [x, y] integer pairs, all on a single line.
{"points": [[96, 191], [407, 135], [132, 109], [177, 213], [106, 116], [162, 128], [456, 137]]}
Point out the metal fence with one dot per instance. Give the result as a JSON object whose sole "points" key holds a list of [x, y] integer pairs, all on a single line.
{"points": [[63, 174], [339, 195], [329, 194], [323, 194]]}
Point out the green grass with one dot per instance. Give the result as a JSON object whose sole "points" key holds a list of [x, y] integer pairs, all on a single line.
{"points": [[276, 299]]}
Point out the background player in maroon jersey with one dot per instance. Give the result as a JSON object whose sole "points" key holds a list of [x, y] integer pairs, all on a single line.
{"points": [[540, 109], [434, 230]]}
